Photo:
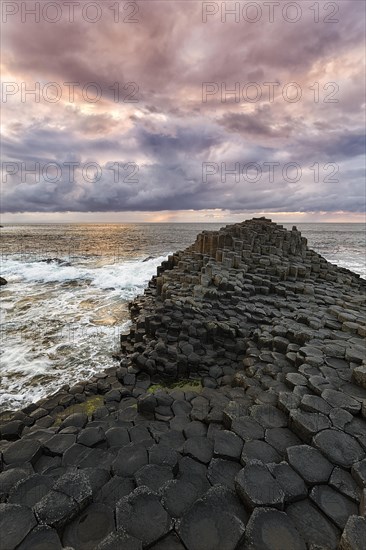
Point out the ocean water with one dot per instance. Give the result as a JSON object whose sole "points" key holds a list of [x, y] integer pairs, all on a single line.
{"points": [[68, 289]]}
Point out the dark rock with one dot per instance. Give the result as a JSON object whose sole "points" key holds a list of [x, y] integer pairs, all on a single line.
{"points": [[116, 488], [89, 528], [170, 542], [306, 424], [257, 487], [341, 400], [41, 538], [76, 419], [15, 523], [281, 438], [117, 437], [58, 444], [90, 437], [12, 430], [74, 454], [2, 280], [291, 483], [76, 485], [309, 463], [335, 506], [199, 448], [21, 451], [247, 429], [195, 429], [227, 445], [345, 484], [142, 516], [223, 472], [258, 450], [215, 522], [10, 477], [56, 509], [354, 534], [153, 476], [315, 529], [341, 448], [31, 490], [268, 416], [359, 472], [178, 495], [269, 529], [120, 540], [163, 455], [129, 459]]}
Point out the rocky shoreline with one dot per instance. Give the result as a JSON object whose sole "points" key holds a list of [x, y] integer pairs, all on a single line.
{"points": [[234, 421]]}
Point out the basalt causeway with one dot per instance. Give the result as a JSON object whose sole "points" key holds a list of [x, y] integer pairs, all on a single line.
{"points": [[233, 420]]}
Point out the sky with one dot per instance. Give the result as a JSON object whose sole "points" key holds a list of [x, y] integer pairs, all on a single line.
{"points": [[163, 111]]}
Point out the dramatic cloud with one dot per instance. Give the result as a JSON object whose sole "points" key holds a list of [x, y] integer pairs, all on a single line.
{"points": [[171, 113]]}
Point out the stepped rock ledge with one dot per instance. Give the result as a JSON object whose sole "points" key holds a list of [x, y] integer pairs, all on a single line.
{"points": [[234, 419]]}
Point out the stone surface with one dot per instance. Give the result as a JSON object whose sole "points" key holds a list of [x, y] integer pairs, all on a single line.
{"points": [[130, 458], [15, 523], [257, 487], [142, 516], [340, 448], [269, 529], [41, 538], [335, 506], [315, 529], [354, 534], [309, 463], [90, 528]]}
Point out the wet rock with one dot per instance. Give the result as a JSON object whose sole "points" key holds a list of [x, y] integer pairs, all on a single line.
{"points": [[142, 516], [3, 281], [15, 523], [269, 529], [257, 487], [309, 463]]}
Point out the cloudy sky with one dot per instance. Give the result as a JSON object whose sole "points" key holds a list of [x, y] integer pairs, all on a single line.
{"points": [[182, 111]]}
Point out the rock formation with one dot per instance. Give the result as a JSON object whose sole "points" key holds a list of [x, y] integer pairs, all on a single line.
{"points": [[235, 420]]}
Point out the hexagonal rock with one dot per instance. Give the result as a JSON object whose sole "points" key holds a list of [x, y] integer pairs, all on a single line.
{"points": [[227, 445], [142, 516], [314, 403], [315, 529], [130, 459], [354, 534], [117, 437], [256, 486], [312, 466], [76, 485], [247, 428], [89, 528], [214, 522], [15, 523], [341, 400], [335, 506], [281, 438], [21, 451], [341, 448], [223, 472], [291, 483], [91, 436], [269, 529], [268, 416], [116, 488], [170, 542], [9, 478], [345, 484], [41, 537], [119, 540], [78, 420], [359, 472], [306, 424], [56, 509], [178, 495], [153, 476], [200, 448], [359, 376], [163, 455], [31, 490], [59, 443], [259, 450]]}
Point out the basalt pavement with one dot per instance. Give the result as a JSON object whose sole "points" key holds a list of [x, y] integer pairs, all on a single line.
{"points": [[234, 418]]}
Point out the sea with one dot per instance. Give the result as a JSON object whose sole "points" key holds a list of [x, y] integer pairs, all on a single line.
{"points": [[66, 301]]}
